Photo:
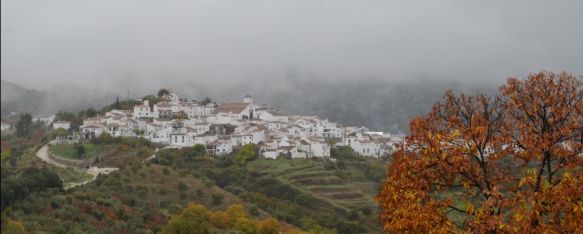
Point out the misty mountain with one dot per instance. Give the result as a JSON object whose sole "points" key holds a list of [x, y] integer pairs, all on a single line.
{"points": [[65, 96], [11, 91], [377, 104], [16, 98]]}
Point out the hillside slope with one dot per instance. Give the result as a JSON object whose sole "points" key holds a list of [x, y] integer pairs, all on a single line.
{"points": [[11, 91]]}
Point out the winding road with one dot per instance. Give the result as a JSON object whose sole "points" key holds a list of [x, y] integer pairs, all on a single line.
{"points": [[151, 157], [43, 154]]}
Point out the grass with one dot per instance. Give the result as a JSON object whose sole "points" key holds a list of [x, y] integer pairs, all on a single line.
{"points": [[69, 151]]}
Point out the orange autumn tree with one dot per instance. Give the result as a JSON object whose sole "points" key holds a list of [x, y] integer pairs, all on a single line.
{"points": [[492, 163]]}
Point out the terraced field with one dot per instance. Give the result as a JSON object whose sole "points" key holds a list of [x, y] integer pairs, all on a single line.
{"points": [[310, 176]]}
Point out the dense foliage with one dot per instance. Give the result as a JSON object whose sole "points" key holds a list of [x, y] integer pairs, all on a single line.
{"points": [[480, 163], [196, 218], [24, 124], [76, 119], [243, 173], [163, 92], [32, 180]]}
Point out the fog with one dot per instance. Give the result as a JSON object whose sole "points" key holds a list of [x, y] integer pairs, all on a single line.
{"points": [[164, 42], [394, 58]]}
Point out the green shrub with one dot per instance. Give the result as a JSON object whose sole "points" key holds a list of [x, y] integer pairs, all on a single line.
{"points": [[162, 191], [253, 210], [217, 198], [182, 186]]}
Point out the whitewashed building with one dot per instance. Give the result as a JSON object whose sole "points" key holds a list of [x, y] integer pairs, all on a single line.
{"points": [[62, 124], [5, 126], [46, 119], [144, 111], [92, 130], [221, 128]]}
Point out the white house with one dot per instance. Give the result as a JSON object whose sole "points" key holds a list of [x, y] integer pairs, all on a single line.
{"points": [[191, 109], [180, 140], [333, 131], [246, 139], [264, 115], [46, 119], [238, 110], [220, 147], [163, 109], [292, 151], [5, 126], [270, 154], [204, 139], [223, 118], [257, 136], [200, 128], [62, 124], [158, 134], [92, 130], [319, 149], [93, 121], [230, 125], [144, 111], [248, 99]]}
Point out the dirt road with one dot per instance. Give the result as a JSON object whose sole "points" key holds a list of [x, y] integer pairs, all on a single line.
{"points": [[43, 154]]}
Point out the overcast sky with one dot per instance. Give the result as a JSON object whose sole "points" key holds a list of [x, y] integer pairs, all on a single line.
{"points": [[105, 41]]}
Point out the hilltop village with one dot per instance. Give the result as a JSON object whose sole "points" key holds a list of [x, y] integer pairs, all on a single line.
{"points": [[222, 127]]}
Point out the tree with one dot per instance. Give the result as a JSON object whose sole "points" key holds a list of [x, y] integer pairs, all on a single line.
{"points": [[13, 227], [268, 226], [247, 153], [180, 115], [194, 152], [5, 154], [104, 138], [117, 105], [163, 92], [235, 211], [483, 163], [206, 101], [366, 210], [80, 149], [245, 225], [60, 132], [217, 198], [23, 126], [219, 219], [76, 120], [31, 180], [90, 113], [344, 152], [193, 219]]}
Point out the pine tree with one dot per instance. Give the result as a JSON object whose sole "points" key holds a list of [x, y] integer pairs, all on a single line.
{"points": [[117, 105]]}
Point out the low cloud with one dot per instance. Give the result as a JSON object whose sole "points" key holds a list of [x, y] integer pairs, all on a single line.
{"points": [[156, 43]]}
